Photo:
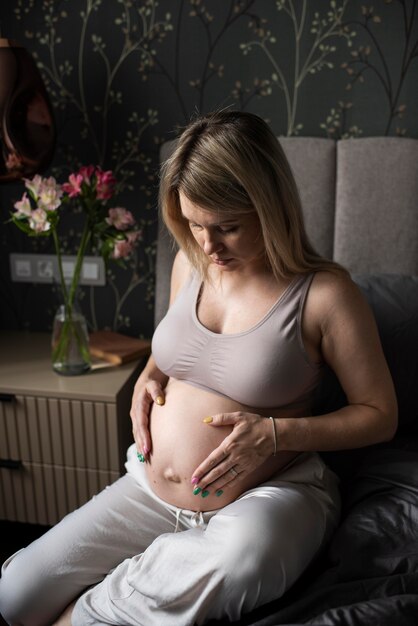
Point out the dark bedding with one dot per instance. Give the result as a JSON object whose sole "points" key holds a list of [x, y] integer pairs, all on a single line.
{"points": [[368, 573]]}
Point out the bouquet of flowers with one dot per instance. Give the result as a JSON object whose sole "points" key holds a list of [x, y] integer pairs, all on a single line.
{"points": [[112, 232]]}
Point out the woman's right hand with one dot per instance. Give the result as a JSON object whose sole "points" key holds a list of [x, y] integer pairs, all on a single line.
{"points": [[150, 385], [145, 393]]}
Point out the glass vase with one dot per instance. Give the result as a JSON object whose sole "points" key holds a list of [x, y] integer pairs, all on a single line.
{"points": [[70, 342]]}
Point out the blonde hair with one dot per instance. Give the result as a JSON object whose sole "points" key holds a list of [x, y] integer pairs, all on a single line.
{"points": [[230, 162]]}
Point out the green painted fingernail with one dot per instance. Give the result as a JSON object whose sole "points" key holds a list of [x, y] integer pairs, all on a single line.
{"points": [[140, 457], [197, 491], [205, 493], [219, 493]]}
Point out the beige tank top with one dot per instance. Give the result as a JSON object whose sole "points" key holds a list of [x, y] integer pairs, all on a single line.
{"points": [[266, 366]]}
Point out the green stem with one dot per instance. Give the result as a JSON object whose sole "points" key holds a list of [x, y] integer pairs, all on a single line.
{"points": [[59, 259], [71, 328], [85, 239], [61, 350]]}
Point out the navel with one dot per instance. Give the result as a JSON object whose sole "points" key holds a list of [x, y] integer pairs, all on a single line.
{"points": [[169, 474]]}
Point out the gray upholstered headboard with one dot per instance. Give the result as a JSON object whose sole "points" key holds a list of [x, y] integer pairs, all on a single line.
{"points": [[360, 204]]}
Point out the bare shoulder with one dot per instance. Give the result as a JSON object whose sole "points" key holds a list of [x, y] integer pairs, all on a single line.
{"points": [[179, 274], [333, 284], [339, 317], [181, 264], [334, 295]]}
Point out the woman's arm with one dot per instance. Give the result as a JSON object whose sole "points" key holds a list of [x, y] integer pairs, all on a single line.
{"points": [[150, 385], [350, 345]]}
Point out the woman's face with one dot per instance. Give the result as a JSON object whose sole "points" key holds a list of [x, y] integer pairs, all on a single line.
{"points": [[231, 244]]}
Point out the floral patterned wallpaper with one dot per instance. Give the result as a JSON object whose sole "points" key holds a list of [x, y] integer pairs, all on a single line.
{"points": [[123, 74]]}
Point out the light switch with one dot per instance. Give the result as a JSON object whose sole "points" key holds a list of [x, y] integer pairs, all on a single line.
{"points": [[90, 271]]}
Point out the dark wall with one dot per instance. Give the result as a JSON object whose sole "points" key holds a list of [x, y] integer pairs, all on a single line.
{"points": [[123, 74]]}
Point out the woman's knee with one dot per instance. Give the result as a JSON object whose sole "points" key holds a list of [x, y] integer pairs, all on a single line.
{"points": [[17, 590], [246, 553], [28, 591], [265, 550]]}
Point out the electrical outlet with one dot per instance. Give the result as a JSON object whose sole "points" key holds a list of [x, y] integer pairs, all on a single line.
{"points": [[43, 268]]}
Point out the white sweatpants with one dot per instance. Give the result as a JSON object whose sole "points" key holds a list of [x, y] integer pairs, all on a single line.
{"points": [[135, 560]]}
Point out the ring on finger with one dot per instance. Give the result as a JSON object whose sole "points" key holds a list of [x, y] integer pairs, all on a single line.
{"points": [[234, 472]]}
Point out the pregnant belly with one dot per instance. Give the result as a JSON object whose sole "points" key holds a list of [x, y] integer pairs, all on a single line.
{"points": [[181, 441]]}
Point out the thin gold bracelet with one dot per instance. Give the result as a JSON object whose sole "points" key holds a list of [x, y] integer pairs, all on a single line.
{"points": [[274, 435]]}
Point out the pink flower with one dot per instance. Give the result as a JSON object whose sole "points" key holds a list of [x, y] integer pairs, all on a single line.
{"points": [[124, 247], [86, 172], [38, 221], [105, 184], [14, 161], [120, 218], [23, 206], [73, 187]]}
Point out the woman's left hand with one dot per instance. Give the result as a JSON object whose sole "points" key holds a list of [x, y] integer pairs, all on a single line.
{"points": [[249, 444]]}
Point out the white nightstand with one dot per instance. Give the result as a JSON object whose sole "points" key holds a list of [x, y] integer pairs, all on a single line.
{"points": [[62, 439]]}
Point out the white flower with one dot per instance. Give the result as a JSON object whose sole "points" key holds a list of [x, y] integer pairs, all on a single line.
{"points": [[49, 194], [38, 221], [23, 206], [34, 184]]}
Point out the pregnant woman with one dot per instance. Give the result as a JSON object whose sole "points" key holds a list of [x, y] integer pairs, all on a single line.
{"points": [[225, 501]]}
